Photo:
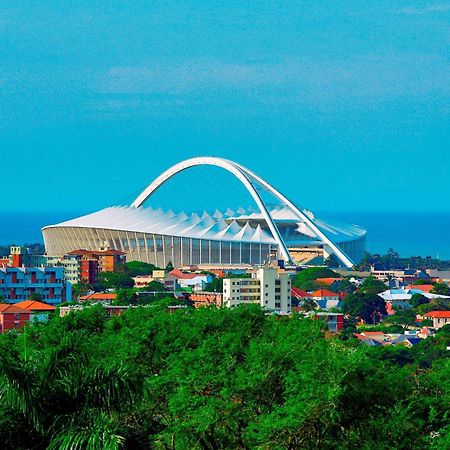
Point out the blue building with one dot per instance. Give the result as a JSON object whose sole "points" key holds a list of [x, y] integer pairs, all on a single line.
{"points": [[19, 283]]}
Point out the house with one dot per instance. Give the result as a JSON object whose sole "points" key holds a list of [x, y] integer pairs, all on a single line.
{"points": [[326, 299], [12, 317], [38, 310], [420, 287], [399, 297], [99, 297], [440, 318], [334, 321], [194, 281]]}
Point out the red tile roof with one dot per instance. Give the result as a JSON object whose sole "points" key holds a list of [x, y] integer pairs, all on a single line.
{"points": [[421, 287], [9, 308], [32, 305], [438, 314], [324, 293], [299, 293], [99, 296], [183, 276]]}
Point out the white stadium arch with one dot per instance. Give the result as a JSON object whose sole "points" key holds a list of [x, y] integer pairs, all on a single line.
{"points": [[247, 178]]}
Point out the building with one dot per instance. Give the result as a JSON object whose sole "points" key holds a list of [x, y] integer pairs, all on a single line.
{"points": [[194, 281], [327, 299], [19, 283], [266, 287], [206, 299], [218, 239], [439, 318], [107, 297], [12, 317], [85, 265], [38, 310], [402, 275], [334, 321], [395, 296]]}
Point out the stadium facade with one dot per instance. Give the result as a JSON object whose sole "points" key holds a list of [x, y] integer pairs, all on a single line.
{"points": [[219, 239]]}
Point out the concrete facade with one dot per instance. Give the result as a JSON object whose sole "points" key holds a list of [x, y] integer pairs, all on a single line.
{"points": [[266, 287]]}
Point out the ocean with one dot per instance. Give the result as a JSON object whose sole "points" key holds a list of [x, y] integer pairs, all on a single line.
{"points": [[410, 234]]}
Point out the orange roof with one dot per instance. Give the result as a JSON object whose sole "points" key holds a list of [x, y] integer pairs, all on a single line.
{"points": [[438, 314], [9, 308], [421, 287], [327, 281], [99, 296], [32, 305], [184, 276], [372, 333], [324, 293]]}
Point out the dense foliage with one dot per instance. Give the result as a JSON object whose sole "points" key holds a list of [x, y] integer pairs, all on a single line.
{"points": [[306, 278], [216, 379], [136, 268], [365, 303]]}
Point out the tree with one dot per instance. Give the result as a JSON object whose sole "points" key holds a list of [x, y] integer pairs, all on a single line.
{"points": [[114, 280], [136, 268], [371, 308], [371, 286], [441, 289], [80, 289], [36, 297], [403, 317], [215, 285], [305, 279], [169, 266], [125, 297], [154, 286], [418, 299]]}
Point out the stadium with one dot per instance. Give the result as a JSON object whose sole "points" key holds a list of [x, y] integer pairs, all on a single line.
{"points": [[230, 238]]}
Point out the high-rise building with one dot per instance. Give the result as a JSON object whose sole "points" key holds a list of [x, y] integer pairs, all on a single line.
{"points": [[267, 287]]}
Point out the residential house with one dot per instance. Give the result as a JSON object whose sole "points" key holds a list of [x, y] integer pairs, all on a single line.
{"points": [[38, 310], [439, 318], [12, 317]]}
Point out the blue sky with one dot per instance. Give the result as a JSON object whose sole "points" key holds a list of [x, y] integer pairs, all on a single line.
{"points": [[341, 105]]}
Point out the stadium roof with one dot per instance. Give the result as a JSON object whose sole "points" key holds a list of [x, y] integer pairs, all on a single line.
{"points": [[226, 226]]}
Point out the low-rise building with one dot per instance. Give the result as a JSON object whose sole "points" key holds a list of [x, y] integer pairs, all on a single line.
{"points": [[439, 318], [107, 297], [267, 287], [206, 299], [12, 317], [38, 310], [326, 299], [19, 283], [194, 281]]}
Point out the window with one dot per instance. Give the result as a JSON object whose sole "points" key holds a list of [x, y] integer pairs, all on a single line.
{"points": [[277, 305]]}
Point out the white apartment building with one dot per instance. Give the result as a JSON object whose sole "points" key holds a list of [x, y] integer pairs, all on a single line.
{"points": [[267, 287]]}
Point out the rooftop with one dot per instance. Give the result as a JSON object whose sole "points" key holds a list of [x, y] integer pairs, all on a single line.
{"points": [[33, 305]]}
